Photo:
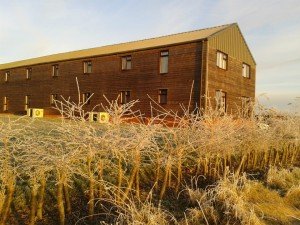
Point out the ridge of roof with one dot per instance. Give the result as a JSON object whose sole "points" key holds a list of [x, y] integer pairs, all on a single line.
{"points": [[219, 31], [121, 47]]}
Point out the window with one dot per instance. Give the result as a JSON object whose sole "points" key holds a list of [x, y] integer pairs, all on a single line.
{"points": [[27, 102], [55, 71], [126, 62], [86, 98], [53, 98], [87, 67], [28, 73], [7, 75], [164, 62], [162, 96], [222, 60], [221, 100], [125, 97], [246, 70], [245, 101], [246, 106], [5, 104]]}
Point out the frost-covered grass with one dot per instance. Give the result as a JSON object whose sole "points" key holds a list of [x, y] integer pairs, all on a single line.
{"points": [[189, 168]]}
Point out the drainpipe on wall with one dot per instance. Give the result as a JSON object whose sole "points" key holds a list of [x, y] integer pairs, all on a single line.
{"points": [[204, 85], [206, 76], [201, 78]]}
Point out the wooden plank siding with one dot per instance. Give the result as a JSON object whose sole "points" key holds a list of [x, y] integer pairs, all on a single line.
{"points": [[232, 42], [107, 78], [230, 81]]}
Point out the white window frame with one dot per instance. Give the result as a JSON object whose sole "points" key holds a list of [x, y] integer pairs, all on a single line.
{"points": [[7, 75], [55, 70], [28, 73], [162, 92], [5, 104], [86, 97], [125, 96], [53, 98], [222, 60], [221, 100], [246, 70], [27, 102], [126, 62], [87, 67], [246, 106], [164, 59]]}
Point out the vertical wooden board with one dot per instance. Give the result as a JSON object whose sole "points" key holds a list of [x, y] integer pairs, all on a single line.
{"points": [[231, 81]]}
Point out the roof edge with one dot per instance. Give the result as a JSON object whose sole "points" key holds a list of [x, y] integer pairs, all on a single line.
{"points": [[9, 65]]}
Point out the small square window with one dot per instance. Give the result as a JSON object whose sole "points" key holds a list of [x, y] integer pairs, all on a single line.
{"points": [[87, 67], [28, 73], [27, 102], [55, 71], [86, 98], [164, 62], [222, 60], [246, 70], [125, 97], [162, 96], [221, 100], [5, 104], [7, 75], [126, 62], [53, 99]]}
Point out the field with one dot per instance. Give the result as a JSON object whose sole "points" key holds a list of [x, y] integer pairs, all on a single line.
{"points": [[185, 170]]}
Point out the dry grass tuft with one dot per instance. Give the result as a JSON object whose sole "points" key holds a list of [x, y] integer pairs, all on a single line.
{"points": [[283, 179], [237, 200], [292, 197]]}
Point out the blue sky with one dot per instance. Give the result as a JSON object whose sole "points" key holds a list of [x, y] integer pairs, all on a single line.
{"points": [[271, 28]]}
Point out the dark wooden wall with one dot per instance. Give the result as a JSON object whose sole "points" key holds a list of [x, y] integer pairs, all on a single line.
{"points": [[108, 79], [230, 81]]}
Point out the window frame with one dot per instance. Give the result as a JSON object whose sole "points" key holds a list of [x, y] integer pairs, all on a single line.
{"points": [[162, 56], [86, 65], [160, 94], [53, 98], [245, 65], [223, 97], [125, 96], [27, 102], [128, 61], [219, 63], [6, 76], [245, 102], [5, 104], [55, 70], [86, 96], [28, 73]]}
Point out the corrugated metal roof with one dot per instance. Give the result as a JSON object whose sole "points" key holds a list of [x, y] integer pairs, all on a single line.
{"points": [[119, 48]]}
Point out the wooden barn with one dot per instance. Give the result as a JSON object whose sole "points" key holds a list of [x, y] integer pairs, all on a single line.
{"points": [[217, 60]]}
